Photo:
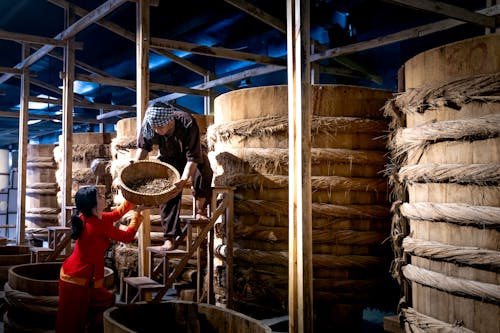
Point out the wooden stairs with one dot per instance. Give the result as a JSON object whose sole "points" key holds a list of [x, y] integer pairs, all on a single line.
{"points": [[141, 288], [59, 240]]}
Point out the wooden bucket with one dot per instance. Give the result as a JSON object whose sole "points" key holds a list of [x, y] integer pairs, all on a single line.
{"points": [[451, 172], [179, 317], [42, 209], [249, 150], [32, 296]]}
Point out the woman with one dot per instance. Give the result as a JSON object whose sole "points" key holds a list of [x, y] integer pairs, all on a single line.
{"points": [[82, 295]]}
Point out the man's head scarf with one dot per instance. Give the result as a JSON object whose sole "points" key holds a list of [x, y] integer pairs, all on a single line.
{"points": [[156, 116]]}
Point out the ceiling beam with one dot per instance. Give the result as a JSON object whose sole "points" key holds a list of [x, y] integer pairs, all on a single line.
{"points": [[225, 80], [10, 70], [217, 52], [132, 83], [451, 11], [69, 32], [10, 114], [131, 37], [19, 37], [281, 27], [259, 14], [52, 88], [398, 36], [83, 104], [36, 82]]}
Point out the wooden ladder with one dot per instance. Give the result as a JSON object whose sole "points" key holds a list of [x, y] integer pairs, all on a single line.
{"points": [[223, 201], [58, 240]]}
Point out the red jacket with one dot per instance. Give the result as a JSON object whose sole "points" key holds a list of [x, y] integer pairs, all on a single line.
{"points": [[87, 259]]}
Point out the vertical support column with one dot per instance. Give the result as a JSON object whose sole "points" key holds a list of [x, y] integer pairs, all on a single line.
{"points": [[67, 121], [208, 100], [23, 146], [229, 244], [142, 72], [490, 3], [300, 302]]}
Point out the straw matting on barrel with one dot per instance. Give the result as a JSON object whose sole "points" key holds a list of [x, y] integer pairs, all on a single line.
{"points": [[350, 210], [142, 170], [445, 170]]}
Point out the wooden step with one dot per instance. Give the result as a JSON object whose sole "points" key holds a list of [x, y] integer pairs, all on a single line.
{"points": [[164, 253], [142, 285], [193, 221], [39, 253]]}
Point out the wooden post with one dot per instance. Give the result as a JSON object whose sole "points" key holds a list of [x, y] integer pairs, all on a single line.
{"points": [[300, 305], [23, 146], [208, 104], [229, 256], [142, 93], [67, 122]]}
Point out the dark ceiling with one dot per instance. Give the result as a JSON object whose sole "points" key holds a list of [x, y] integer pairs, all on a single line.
{"points": [[223, 24]]}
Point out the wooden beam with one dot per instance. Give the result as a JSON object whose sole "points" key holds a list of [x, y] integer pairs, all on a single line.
{"points": [[69, 32], [67, 120], [451, 11], [83, 104], [281, 27], [397, 37], [132, 84], [142, 97], [259, 14], [111, 114], [11, 114], [300, 269], [86, 67], [10, 70], [226, 79], [22, 151], [217, 52], [131, 37], [18, 37]]}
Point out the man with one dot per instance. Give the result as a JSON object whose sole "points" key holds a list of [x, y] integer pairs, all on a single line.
{"points": [[178, 138]]}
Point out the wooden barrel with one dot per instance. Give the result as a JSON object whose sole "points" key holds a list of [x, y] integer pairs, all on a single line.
{"points": [[42, 209], [448, 158], [12, 256], [86, 149], [31, 294], [249, 150], [180, 317]]}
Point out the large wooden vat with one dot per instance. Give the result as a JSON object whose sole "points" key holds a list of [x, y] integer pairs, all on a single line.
{"points": [[249, 150], [42, 209], [446, 146], [86, 148], [12, 256], [179, 317], [31, 294]]}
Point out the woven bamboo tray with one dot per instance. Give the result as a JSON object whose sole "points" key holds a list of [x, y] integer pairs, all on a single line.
{"points": [[147, 170]]}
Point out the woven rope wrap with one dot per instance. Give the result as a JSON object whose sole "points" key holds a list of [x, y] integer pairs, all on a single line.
{"points": [[147, 170]]}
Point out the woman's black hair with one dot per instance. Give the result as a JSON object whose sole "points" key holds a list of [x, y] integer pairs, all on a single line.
{"points": [[76, 225], [85, 200]]}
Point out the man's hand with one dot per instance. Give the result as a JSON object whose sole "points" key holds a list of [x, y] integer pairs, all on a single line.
{"points": [[179, 185]]}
